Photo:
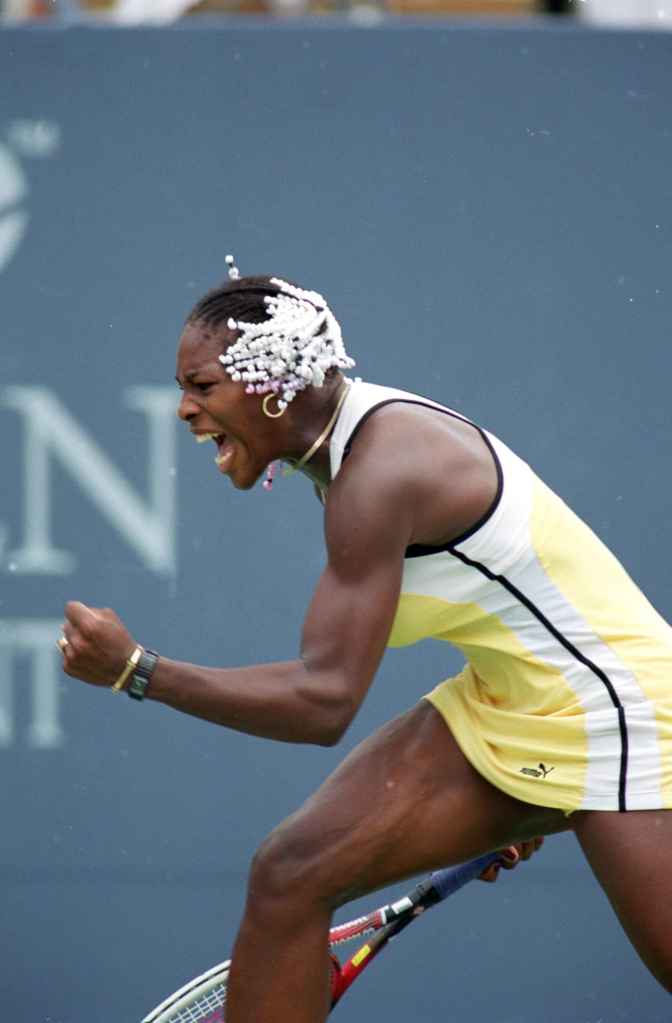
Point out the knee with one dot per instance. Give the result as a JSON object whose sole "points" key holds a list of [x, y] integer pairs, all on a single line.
{"points": [[292, 865]]}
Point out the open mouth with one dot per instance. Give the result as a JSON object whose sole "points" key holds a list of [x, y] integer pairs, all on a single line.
{"points": [[224, 452], [225, 448]]}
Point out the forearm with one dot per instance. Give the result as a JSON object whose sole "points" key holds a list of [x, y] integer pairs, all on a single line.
{"points": [[283, 700]]}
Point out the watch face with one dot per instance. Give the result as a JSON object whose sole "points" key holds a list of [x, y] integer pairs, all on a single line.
{"points": [[142, 674], [137, 687]]}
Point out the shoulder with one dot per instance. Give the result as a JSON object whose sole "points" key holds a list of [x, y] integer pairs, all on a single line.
{"points": [[359, 529], [378, 474], [416, 468], [398, 445]]}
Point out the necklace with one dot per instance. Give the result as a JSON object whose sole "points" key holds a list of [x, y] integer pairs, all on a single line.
{"points": [[291, 469]]}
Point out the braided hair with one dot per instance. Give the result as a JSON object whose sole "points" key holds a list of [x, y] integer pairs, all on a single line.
{"points": [[288, 338], [238, 299]]}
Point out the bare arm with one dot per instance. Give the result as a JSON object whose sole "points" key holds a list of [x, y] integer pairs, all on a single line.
{"points": [[370, 519], [311, 699]]}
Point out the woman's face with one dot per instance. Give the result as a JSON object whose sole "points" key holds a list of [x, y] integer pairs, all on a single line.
{"points": [[212, 403]]}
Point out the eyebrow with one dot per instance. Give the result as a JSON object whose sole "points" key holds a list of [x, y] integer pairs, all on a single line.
{"points": [[189, 376]]}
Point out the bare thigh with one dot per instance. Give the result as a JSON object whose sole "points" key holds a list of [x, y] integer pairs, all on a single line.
{"points": [[403, 802], [630, 854]]}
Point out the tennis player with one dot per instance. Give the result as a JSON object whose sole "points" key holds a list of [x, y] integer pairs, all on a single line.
{"points": [[560, 720]]}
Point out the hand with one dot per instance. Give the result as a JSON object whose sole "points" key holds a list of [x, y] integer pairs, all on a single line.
{"points": [[511, 857], [98, 644]]}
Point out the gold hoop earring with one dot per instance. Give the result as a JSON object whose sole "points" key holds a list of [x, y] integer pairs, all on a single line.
{"points": [[264, 405]]}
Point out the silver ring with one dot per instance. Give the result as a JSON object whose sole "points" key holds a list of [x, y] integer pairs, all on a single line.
{"points": [[62, 644]]}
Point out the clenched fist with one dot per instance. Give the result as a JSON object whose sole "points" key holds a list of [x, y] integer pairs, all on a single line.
{"points": [[96, 644]]}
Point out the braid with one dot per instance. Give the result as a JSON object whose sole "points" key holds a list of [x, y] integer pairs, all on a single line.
{"points": [[287, 338], [241, 299]]}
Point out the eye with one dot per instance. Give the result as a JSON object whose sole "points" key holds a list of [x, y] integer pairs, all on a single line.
{"points": [[203, 388]]}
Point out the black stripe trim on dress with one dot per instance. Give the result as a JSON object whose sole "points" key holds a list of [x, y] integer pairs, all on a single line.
{"points": [[418, 550], [569, 646]]}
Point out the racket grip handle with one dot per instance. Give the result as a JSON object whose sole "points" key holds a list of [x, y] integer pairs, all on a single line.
{"points": [[446, 882]]}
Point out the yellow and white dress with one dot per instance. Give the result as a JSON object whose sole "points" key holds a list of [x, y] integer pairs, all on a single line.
{"points": [[566, 698]]}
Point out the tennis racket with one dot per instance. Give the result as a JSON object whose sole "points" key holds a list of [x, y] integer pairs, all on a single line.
{"points": [[203, 999]]}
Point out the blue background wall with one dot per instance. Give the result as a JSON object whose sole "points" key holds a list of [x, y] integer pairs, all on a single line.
{"points": [[488, 211]]}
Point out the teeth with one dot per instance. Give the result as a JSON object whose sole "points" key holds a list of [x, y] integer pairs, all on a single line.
{"points": [[201, 438]]}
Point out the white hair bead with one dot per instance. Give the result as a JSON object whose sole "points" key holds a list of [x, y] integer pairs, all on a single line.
{"points": [[234, 272], [291, 350]]}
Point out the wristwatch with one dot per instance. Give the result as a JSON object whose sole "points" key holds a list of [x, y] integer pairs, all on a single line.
{"points": [[142, 674]]}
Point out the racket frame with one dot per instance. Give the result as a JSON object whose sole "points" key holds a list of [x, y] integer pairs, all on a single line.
{"points": [[181, 999], [383, 923]]}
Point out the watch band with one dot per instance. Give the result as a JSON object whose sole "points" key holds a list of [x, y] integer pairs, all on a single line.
{"points": [[142, 675]]}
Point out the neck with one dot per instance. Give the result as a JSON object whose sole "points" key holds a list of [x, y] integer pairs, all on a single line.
{"points": [[314, 462]]}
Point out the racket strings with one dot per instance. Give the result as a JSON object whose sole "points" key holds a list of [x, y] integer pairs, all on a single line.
{"points": [[207, 1008]]}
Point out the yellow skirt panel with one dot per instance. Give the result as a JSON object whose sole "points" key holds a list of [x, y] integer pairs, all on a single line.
{"points": [[540, 760]]}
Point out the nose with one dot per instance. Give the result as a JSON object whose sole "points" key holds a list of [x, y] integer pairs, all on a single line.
{"points": [[187, 408]]}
